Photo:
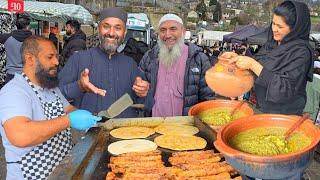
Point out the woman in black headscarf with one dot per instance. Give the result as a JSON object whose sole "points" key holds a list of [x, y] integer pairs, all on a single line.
{"points": [[284, 64]]}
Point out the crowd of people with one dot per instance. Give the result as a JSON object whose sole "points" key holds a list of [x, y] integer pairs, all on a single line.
{"points": [[44, 100]]}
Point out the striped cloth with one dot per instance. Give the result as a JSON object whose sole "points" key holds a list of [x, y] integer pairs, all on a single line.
{"points": [[53, 11]]}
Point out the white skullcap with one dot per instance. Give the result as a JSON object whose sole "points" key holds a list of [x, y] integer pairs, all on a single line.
{"points": [[170, 17]]}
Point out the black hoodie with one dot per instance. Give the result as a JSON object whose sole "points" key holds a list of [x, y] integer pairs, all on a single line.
{"points": [[12, 43], [280, 88], [75, 43], [19, 35]]}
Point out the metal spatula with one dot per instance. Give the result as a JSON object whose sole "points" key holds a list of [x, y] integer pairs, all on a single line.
{"points": [[117, 107]]}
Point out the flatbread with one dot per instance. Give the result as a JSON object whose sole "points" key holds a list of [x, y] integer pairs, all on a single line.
{"points": [[133, 132], [133, 145], [176, 129], [180, 142]]}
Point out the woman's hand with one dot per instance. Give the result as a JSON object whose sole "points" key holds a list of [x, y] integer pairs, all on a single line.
{"points": [[228, 57], [242, 62], [245, 62]]}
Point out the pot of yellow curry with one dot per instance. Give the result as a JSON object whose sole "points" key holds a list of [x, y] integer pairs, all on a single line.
{"points": [[255, 146], [217, 113]]}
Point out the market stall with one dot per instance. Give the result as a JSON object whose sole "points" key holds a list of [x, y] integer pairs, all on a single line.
{"points": [[240, 35], [89, 159], [205, 124], [53, 11], [46, 17], [51, 16]]}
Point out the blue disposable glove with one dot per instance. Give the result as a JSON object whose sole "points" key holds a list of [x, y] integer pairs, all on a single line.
{"points": [[82, 119]]}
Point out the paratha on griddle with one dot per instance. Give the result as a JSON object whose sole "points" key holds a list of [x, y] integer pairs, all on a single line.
{"points": [[176, 129], [132, 145], [180, 142], [133, 132]]}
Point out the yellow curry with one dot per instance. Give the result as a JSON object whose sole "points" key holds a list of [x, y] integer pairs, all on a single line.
{"points": [[269, 141], [219, 116]]}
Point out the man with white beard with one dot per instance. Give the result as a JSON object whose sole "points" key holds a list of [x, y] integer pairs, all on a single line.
{"points": [[175, 71]]}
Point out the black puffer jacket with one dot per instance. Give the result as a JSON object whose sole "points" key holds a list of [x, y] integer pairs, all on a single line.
{"points": [[195, 86], [75, 43]]}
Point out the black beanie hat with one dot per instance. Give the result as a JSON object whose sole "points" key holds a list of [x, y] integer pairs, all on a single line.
{"points": [[113, 12]]}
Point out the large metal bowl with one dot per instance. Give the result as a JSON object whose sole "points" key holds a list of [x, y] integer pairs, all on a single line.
{"points": [[286, 166]]}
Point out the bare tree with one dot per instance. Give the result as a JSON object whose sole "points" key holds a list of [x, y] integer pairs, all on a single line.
{"points": [[245, 19], [201, 9], [271, 4]]}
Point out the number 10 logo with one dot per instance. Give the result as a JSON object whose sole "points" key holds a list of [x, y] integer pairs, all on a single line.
{"points": [[16, 6]]}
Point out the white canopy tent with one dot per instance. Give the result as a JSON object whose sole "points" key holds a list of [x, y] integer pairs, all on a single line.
{"points": [[209, 38], [315, 35], [53, 11]]}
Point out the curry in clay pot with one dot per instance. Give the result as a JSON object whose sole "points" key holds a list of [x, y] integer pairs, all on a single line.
{"points": [[269, 141], [219, 116]]}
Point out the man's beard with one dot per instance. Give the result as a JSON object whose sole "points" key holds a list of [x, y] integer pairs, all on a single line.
{"points": [[68, 33], [168, 56], [109, 47], [46, 80]]}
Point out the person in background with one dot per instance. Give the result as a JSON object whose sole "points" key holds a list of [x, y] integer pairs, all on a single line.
{"points": [[12, 43], [36, 118], [209, 51], [76, 41], [284, 64], [54, 39], [135, 49], [175, 71], [95, 78]]}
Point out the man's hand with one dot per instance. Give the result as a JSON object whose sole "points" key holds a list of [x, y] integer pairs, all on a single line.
{"points": [[82, 119], [86, 86], [140, 87]]}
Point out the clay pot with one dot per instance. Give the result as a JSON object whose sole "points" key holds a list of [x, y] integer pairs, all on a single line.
{"points": [[228, 80], [200, 107], [285, 166]]}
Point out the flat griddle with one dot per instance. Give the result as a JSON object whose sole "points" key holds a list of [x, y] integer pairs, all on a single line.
{"points": [[89, 158]]}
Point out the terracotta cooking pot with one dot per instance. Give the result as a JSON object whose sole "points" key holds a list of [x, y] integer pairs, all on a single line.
{"points": [[285, 166], [200, 107], [228, 80]]}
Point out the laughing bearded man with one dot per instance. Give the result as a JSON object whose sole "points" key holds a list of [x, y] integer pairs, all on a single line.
{"points": [[95, 78], [175, 71]]}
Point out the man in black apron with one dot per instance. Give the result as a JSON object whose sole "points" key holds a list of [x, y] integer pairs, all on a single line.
{"points": [[35, 117]]}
